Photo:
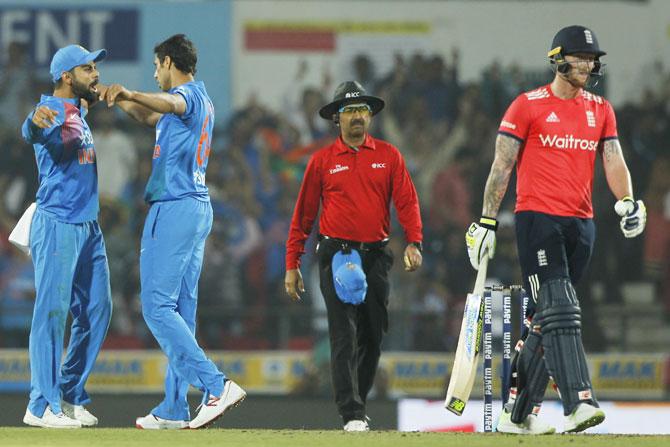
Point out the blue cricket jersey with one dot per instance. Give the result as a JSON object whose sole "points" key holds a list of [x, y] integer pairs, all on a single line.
{"points": [[182, 148], [66, 163]]}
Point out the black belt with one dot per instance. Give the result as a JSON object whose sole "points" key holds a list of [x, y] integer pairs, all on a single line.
{"points": [[362, 246]]}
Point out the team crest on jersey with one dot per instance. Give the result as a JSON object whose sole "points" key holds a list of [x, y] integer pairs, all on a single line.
{"points": [[590, 118], [553, 118]]}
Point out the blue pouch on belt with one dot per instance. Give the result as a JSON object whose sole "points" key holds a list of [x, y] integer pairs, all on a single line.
{"points": [[348, 277]]}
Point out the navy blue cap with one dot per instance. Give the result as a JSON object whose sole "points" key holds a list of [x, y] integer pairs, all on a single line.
{"points": [[72, 56], [349, 278], [575, 39]]}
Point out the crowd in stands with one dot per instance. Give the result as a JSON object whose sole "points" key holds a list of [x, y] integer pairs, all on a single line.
{"points": [[446, 130]]}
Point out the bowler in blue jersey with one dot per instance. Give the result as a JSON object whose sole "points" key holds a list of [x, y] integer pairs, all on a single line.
{"points": [[175, 230], [68, 250]]}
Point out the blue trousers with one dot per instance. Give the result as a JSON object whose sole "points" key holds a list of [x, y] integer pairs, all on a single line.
{"points": [[71, 274], [173, 247]]}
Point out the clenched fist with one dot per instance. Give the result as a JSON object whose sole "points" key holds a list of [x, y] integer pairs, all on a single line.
{"points": [[633, 216], [412, 257], [116, 92]]}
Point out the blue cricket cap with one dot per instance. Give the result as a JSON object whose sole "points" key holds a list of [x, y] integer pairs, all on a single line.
{"points": [[349, 278], [72, 56]]}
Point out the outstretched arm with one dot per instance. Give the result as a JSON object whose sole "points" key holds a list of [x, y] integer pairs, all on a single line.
{"points": [[139, 113], [37, 125], [507, 150], [145, 107], [616, 171]]}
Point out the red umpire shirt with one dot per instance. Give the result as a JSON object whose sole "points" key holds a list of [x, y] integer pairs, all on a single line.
{"points": [[355, 188], [560, 139]]}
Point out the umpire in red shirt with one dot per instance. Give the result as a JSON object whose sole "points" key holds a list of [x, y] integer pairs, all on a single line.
{"points": [[355, 178]]}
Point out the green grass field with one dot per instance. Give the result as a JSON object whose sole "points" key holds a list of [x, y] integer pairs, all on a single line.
{"points": [[126, 437]]}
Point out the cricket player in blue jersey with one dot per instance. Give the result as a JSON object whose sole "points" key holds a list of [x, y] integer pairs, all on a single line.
{"points": [[68, 250], [175, 230]]}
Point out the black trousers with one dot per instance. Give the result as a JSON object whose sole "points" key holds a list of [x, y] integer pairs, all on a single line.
{"points": [[552, 247], [355, 331]]}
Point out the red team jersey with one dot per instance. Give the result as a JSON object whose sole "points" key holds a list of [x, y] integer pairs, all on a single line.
{"points": [[559, 140]]}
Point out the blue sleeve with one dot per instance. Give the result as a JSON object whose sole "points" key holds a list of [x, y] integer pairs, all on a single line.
{"points": [[33, 134], [188, 95], [30, 132]]}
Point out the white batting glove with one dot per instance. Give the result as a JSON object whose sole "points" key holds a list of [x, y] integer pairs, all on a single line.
{"points": [[479, 237], [633, 216]]}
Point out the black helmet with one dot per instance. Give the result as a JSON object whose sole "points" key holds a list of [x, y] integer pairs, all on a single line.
{"points": [[348, 92], [572, 40], [575, 39]]}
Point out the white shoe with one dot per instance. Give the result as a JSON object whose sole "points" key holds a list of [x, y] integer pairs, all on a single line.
{"points": [[584, 416], [50, 420], [152, 422], [79, 413], [232, 396], [532, 425], [356, 425]]}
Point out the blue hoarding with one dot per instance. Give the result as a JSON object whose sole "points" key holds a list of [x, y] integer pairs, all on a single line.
{"points": [[45, 29]]}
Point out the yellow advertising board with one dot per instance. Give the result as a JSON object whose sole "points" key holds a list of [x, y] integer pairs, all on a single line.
{"points": [[402, 374], [614, 376]]}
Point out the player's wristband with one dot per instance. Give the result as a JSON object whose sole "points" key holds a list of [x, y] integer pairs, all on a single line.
{"points": [[489, 223]]}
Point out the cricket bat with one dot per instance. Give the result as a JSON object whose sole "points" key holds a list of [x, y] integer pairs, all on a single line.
{"points": [[469, 342]]}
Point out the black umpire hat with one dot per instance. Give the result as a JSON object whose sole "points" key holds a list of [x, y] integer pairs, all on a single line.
{"points": [[349, 92], [575, 39]]}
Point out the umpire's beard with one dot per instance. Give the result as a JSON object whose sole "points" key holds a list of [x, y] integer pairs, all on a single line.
{"points": [[355, 133]]}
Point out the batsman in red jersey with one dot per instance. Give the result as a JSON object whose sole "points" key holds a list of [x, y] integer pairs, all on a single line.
{"points": [[354, 180], [553, 134]]}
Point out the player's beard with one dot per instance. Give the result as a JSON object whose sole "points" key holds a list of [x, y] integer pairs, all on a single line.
{"points": [[84, 91], [575, 81]]}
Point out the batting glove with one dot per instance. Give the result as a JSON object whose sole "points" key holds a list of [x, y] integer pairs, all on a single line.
{"points": [[479, 237], [633, 216]]}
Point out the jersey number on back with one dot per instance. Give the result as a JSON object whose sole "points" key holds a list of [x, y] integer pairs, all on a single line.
{"points": [[202, 153]]}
